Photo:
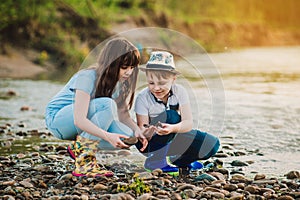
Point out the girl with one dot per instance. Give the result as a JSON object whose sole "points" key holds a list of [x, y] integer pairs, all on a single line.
{"points": [[89, 105]]}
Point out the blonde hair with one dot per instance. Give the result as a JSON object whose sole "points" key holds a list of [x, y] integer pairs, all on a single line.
{"points": [[160, 74]]}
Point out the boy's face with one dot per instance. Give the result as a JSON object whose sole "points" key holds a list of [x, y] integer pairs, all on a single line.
{"points": [[160, 86]]}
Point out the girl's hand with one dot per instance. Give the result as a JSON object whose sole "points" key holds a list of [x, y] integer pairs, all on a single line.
{"points": [[115, 140], [139, 134], [148, 131], [164, 129]]}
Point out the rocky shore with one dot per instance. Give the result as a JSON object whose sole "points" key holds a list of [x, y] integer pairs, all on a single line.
{"points": [[45, 173]]}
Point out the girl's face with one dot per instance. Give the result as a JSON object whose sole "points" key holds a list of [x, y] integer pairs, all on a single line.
{"points": [[125, 72], [160, 87]]}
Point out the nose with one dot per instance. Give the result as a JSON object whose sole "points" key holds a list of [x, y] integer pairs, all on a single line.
{"points": [[129, 71], [156, 87]]}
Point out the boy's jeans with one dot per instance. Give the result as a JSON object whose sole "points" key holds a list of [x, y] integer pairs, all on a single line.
{"points": [[183, 148]]}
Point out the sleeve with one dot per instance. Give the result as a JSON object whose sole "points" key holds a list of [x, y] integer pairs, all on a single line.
{"points": [[141, 106], [183, 96], [84, 81]]}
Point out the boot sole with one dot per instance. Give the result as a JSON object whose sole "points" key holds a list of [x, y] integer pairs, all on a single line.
{"points": [[71, 153], [170, 173], [97, 175]]}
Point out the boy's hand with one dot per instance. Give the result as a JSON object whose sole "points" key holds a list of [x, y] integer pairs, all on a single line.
{"points": [[164, 129]]}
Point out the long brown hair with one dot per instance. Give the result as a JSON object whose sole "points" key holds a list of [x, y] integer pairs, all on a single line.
{"points": [[116, 53]]}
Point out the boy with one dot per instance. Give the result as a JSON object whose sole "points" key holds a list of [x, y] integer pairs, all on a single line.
{"points": [[164, 109]]}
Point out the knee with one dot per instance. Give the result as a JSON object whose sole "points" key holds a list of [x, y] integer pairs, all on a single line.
{"points": [[215, 144], [104, 103]]}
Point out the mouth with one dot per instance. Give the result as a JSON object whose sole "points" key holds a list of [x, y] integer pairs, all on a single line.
{"points": [[157, 93]]}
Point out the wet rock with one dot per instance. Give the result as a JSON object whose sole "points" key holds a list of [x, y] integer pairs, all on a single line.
{"points": [[21, 125], [238, 163], [146, 196], [66, 177], [239, 153], [285, 197], [259, 176], [6, 144], [218, 183], [237, 178], [295, 194], [161, 192], [293, 175], [230, 187], [100, 186], [218, 175], [157, 172], [11, 93], [26, 184], [121, 196], [205, 176], [252, 189], [8, 197], [21, 133], [221, 155], [130, 141], [146, 175], [8, 183], [211, 189], [25, 108], [265, 181], [236, 196], [189, 193], [124, 153]]}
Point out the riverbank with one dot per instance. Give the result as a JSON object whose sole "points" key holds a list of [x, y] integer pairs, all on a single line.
{"points": [[21, 63], [44, 172]]}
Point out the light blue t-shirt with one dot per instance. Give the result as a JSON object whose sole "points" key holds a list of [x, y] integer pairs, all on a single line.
{"points": [[83, 80]]}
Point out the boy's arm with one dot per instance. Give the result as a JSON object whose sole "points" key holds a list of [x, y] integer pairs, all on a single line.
{"points": [[141, 120], [186, 123]]}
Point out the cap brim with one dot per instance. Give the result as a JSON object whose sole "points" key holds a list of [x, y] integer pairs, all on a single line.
{"points": [[144, 69]]}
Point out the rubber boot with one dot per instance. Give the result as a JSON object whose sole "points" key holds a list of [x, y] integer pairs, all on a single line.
{"points": [[85, 159], [156, 159]]}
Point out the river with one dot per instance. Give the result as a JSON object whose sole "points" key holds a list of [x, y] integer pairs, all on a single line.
{"points": [[260, 112]]}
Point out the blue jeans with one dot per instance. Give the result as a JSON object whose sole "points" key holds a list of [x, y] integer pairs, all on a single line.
{"points": [[102, 112], [183, 148]]}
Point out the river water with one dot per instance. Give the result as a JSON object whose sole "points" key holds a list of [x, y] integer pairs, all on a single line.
{"points": [[260, 112]]}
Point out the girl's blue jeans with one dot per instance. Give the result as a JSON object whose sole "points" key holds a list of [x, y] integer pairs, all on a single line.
{"points": [[102, 112], [183, 148]]}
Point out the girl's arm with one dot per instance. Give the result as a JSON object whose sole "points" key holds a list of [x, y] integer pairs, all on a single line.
{"points": [[125, 118], [81, 106]]}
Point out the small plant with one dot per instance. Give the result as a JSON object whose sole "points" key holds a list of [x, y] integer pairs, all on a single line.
{"points": [[43, 57], [137, 186]]}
